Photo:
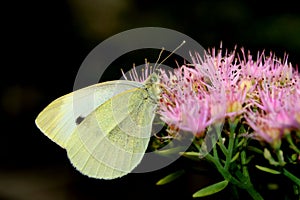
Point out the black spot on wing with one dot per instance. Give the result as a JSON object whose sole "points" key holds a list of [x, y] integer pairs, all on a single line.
{"points": [[79, 120]]}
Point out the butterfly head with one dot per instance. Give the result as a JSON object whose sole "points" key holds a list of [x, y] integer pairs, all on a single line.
{"points": [[153, 86]]}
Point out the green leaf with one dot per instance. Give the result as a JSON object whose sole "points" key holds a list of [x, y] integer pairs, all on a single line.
{"points": [[249, 159], [269, 157], [212, 189], [241, 142], [191, 155], [170, 177], [280, 157], [254, 149], [169, 152], [265, 169], [236, 156]]}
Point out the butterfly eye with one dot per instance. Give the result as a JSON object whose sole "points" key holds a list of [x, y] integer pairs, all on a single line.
{"points": [[154, 78]]}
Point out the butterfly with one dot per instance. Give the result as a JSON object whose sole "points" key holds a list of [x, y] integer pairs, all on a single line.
{"points": [[109, 133]]}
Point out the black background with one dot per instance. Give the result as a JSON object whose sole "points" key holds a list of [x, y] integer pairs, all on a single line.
{"points": [[43, 45]]}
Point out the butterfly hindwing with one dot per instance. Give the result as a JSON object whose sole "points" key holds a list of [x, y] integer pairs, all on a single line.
{"points": [[111, 141]]}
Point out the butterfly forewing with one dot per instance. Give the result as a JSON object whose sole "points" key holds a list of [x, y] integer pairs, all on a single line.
{"points": [[60, 118]]}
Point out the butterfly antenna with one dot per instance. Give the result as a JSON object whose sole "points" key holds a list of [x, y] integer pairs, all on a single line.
{"points": [[162, 50], [179, 46]]}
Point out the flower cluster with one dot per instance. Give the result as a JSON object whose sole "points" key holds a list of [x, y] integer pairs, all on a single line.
{"points": [[256, 99], [265, 92]]}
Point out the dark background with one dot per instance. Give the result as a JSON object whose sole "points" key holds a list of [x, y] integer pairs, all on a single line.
{"points": [[43, 45]]}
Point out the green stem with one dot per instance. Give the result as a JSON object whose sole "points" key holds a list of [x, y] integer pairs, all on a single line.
{"points": [[244, 166], [244, 161], [250, 189], [243, 180], [220, 142], [223, 148], [291, 176], [215, 152], [292, 145], [234, 192], [253, 193], [230, 145], [226, 175]]}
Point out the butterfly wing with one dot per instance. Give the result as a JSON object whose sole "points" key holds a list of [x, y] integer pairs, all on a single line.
{"points": [[111, 141], [60, 118]]}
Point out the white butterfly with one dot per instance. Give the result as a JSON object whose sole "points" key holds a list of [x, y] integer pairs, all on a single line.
{"points": [[105, 128]]}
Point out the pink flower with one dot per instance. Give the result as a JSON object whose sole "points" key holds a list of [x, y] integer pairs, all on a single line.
{"points": [[280, 111], [264, 91], [276, 104], [185, 103], [223, 73]]}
